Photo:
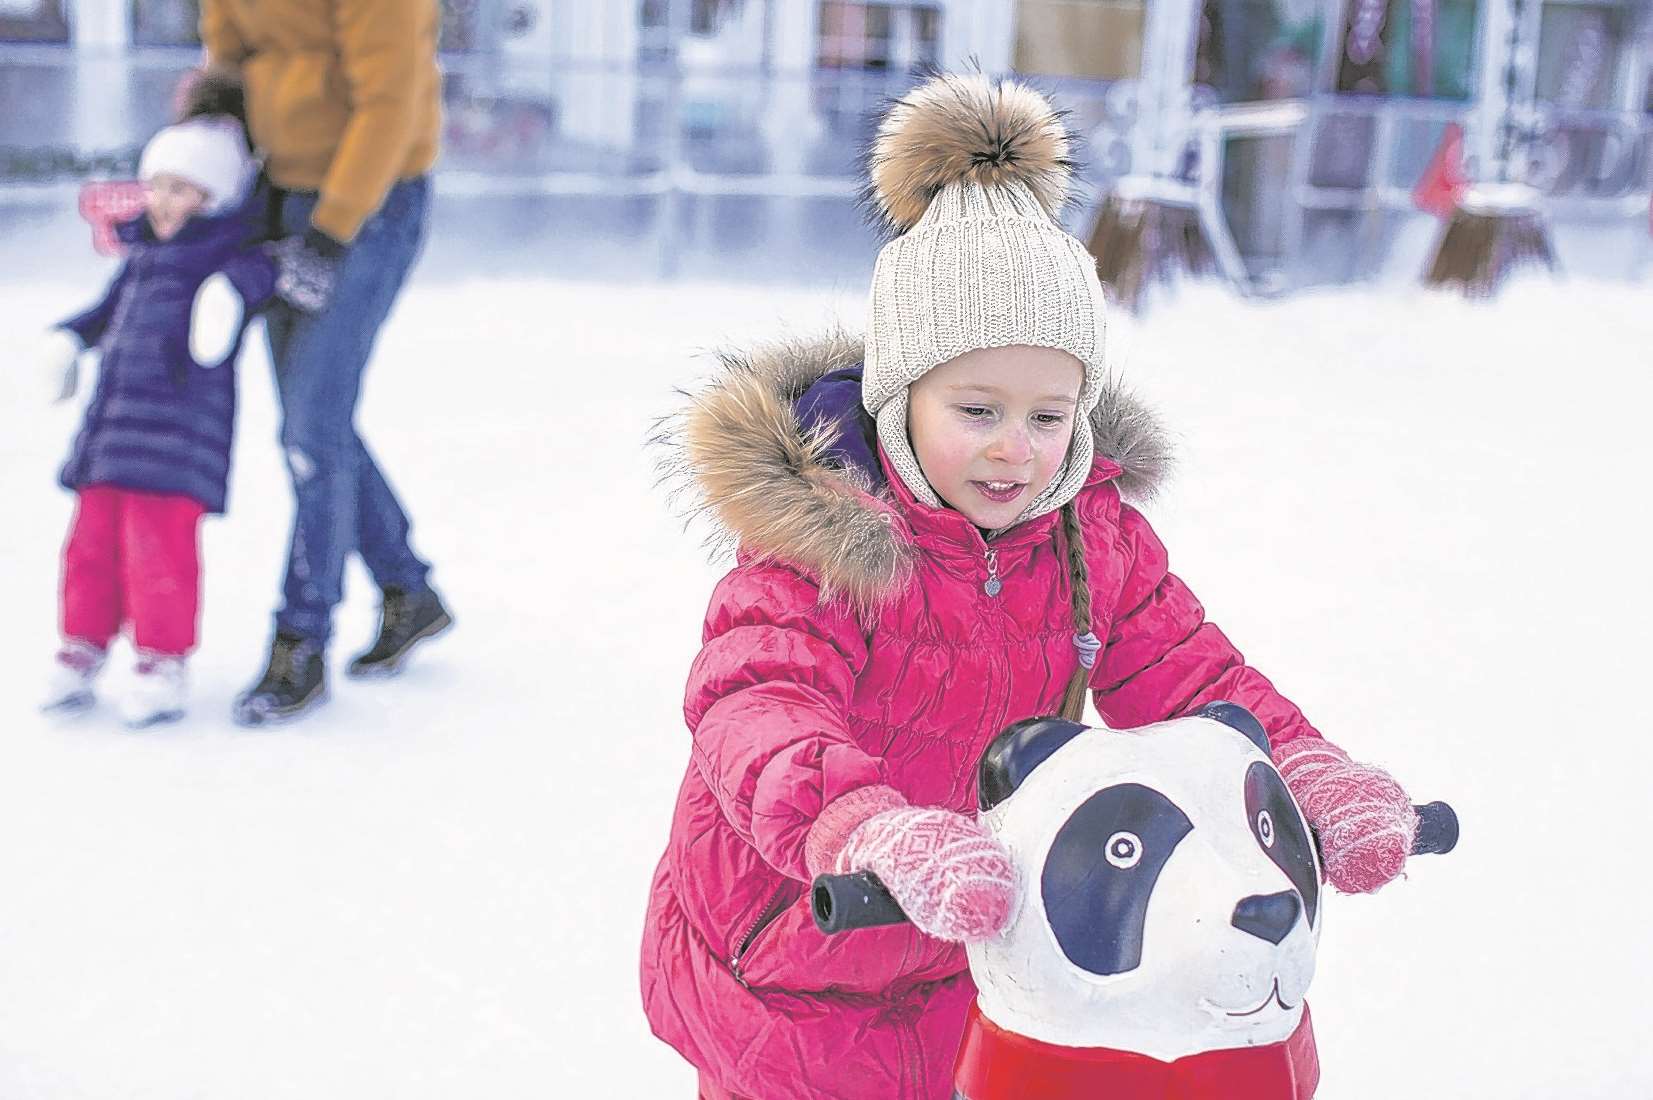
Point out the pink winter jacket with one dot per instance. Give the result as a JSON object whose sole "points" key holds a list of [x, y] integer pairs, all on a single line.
{"points": [[854, 643]]}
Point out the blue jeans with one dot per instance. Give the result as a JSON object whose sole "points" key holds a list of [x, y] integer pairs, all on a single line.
{"points": [[343, 502]]}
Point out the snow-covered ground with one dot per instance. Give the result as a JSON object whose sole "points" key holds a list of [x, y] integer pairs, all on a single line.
{"points": [[1426, 521]]}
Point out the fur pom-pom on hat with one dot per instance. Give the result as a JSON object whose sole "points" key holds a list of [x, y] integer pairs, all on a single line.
{"points": [[206, 93], [966, 128]]}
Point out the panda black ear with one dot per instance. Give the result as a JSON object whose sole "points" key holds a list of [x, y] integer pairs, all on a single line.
{"points": [[1014, 754], [1234, 716]]}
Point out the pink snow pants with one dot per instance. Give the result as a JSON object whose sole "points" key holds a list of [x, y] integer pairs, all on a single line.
{"points": [[133, 558]]}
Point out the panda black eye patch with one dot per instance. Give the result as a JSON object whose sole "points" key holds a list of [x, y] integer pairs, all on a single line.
{"points": [[1278, 830], [1101, 870]]}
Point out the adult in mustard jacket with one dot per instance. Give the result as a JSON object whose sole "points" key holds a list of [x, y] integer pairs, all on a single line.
{"points": [[344, 99]]}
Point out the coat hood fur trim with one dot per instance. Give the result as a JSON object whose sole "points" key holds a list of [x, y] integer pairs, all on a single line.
{"points": [[737, 454]]}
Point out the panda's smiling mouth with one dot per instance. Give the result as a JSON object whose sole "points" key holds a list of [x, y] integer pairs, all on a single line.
{"points": [[1273, 997]]}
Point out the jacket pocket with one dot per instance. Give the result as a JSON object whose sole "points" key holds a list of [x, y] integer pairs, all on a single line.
{"points": [[783, 897]]}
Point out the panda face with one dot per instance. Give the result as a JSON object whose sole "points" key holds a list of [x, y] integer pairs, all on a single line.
{"points": [[1170, 894]]}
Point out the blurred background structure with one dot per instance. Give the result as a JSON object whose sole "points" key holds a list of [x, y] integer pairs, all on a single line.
{"points": [[719, 139]]}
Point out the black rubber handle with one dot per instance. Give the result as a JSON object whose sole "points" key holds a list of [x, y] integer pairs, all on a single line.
{"points": [[843, 902], [1437, 830]]}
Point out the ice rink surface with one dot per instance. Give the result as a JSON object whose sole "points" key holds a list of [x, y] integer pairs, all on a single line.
{"points": [[1421, 518]]}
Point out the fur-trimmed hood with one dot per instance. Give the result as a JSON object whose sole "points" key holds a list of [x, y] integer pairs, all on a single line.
{"points": [[738, 453]]}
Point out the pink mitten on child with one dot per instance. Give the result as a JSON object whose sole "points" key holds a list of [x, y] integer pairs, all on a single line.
{"points": [[1365, 820], [945, 870]]}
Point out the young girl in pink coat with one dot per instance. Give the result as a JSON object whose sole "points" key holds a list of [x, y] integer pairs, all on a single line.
{"points": [[932, 543]]}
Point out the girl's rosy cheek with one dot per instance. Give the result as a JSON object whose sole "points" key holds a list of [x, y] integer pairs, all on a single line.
{"points": [[945, 445], [962, 452]]}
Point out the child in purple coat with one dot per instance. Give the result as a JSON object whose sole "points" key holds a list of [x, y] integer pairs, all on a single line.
{"points": [[152, 456]]}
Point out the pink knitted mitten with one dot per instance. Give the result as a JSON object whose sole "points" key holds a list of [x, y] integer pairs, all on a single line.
{"points": [[1365, 820], [951, 878]]}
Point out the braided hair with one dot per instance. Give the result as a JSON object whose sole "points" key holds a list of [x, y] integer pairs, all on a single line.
{"points": [[1073, 700]]}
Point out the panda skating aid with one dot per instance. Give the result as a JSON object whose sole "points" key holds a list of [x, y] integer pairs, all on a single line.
{"points": [[1091, 990]]}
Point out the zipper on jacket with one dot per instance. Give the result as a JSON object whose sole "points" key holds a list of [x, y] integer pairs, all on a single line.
{"points": [[770, 914], [993, 585], [123, 304]]}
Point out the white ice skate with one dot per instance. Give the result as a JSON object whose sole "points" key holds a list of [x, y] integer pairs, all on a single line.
{"points": [[69, 685], [156, 694]]}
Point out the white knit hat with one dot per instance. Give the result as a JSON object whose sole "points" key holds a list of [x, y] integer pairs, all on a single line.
{"points": [[210, 152], [971, 173]]}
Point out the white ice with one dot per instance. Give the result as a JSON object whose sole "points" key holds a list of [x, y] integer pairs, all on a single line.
{"points": [[1426, 521]]}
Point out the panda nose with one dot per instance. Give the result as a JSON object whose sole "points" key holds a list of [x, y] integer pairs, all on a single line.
{"points": [[1268, 916]]}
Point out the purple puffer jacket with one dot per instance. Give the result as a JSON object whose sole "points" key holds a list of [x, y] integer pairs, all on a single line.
{"points": [[854, 643], [159, 422]]}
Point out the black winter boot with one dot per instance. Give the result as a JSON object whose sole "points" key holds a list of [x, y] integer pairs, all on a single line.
{"points": [[406, 619], [294, 683]]}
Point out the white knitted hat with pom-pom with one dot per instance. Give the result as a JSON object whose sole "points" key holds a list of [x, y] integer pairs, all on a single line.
{"points": [[209, 152], [972, 173]]}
